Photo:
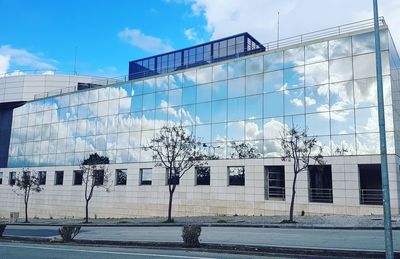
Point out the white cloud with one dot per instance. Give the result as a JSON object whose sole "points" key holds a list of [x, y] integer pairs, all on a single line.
{"points": [[296, 101], [10, 56], [22, 59], [191, 34], [4, 64], [259, 17], [310, 101], [147, 43]]}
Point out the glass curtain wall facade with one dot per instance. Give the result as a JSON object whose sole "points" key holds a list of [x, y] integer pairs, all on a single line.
{"points": [[328, 87]]}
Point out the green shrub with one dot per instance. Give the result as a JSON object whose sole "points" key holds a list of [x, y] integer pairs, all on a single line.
{"points": [[222, 221], [68, 232], [190, 235]]}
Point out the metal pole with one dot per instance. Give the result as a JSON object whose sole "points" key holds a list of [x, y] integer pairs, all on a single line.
{"points": [[381, 115]]}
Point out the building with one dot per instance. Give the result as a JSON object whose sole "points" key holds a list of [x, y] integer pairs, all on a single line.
{"points": [[230, 90]]}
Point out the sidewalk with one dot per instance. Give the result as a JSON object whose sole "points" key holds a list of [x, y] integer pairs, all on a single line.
{"points": [[335, 222]]}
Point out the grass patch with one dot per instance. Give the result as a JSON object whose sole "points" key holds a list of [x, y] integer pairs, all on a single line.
{"points": [[122, 222], [167, 221], [287, 221], [221, 221]]}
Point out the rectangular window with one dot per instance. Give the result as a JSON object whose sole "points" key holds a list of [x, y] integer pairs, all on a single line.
{"points": [[120, 175], [98, 177], [145, 176], [59, 178], [320, 183], [1, 177], [370, 184], [174, 179], [42, 177], [202, 175], [275, 182], [11, 178], [78, 177], [236, 175]]}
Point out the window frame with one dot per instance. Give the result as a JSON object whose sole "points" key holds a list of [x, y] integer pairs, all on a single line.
{"points": [[75, 173], [117, 178], [12, 177], [146, 182], [230, 183], [197, 175], [42, 177], [56, 174]]}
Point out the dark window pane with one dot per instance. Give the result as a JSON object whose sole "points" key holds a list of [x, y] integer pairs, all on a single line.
{"points": [[78, 175], [59, 178], [121, 175], [370, 184], [236, 175], [275, 182], [202, 175], [320, 182], [42, 177]]}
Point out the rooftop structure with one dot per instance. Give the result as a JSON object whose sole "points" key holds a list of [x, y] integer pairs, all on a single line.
{"points": [[230, 47]]}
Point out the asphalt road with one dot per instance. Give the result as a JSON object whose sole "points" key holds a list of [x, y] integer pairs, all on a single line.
{"points": [[304, 238], [26, 250]]}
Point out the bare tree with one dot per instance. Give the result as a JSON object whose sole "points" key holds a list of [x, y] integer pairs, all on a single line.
{"points": [[178, 151], [27, 182], [244, 150], [95, 173], [302, 150]]}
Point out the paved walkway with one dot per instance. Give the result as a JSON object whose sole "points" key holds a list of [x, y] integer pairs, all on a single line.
{"points": [[311, 238]]}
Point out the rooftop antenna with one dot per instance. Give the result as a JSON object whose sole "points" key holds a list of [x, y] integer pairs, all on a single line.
{"points": [[76, 49], [277, 41]]}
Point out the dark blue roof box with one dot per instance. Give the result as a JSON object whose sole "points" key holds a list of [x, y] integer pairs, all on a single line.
{"points": [[214, 51]]}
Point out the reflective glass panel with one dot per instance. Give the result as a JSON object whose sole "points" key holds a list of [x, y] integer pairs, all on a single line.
{"points": [[204, 93], [340, 48], [294, 101], [316, 74], [341, 95], [236, 87], [316, 52], [294, 57], [254, 84], [364, 66], [367, 120], [273, 104], [317, 98], [365, 92], [340, 70], [318, 123], [273, 61], [254, 65], [236, 108], [273, 81], [293, 77], [220, 72], [254, 106], [236, 69], [342, 122], [219, 90]]}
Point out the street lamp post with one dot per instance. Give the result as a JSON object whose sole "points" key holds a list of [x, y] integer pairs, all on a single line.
{"points": [[382, 136]]}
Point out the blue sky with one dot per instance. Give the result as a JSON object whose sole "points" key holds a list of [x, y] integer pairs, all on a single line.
{"points": [[44, 34]]}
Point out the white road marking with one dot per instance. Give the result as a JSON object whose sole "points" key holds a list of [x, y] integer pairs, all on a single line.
{"points": [[106, 252]]}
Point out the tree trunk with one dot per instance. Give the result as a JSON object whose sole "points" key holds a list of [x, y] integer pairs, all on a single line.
{"points": [[26, 212], [171, 194], [87, 212], [292, 200]]}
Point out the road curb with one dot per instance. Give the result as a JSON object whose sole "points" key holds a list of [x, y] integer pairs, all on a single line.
{"points": [[218, 248], [284, 226]]}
